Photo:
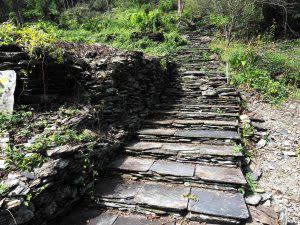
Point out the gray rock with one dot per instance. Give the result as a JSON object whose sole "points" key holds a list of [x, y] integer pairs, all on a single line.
{"points": [[63, 150], [28, 175], [2, 164], [253, 199], [262, 143], [24, 215], [7, 88], [209, 93]]}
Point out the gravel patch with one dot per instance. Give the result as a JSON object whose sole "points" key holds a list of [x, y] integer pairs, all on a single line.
{"points": [[279, 159]]}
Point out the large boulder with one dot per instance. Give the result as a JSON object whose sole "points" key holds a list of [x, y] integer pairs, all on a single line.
{"points": [[7, 89]]}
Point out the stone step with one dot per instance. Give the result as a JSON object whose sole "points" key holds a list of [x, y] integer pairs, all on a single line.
{"points": [[201, 107], [213, 177], [13, 56], [175, 114], [202, 91], [223, 100], [94, 216], [192, 124], [189, 136], [198, 73], [198, 66], [185, 152], [170, 199]]}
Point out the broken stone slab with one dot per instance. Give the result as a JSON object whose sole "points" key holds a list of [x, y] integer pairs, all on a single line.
{"points": [[63, 150], [132, 164], [220, 174], [8, 81], [262, 217], [162, 196], [218, 203], [208, 134], [173, 168]]}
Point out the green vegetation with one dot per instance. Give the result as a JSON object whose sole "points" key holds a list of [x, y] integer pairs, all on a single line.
{"points": [[128, 29], [238, 149], [22, 126], [251, 182], [3, 190], [272, 69], [36, 41], [60, 137], [191, 197]]}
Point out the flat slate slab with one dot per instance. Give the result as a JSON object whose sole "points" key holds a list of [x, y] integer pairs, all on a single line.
{"points": [[178, 147], [162, 196], [145, 146], [173, 168], [218, 203], [158, 132], [206, 122], [87, 216], [132, 164], [220, 174], [207, 134], [116, 188], [181, 148], [139, 220]]}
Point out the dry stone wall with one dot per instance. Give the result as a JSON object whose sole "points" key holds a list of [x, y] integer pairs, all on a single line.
{"points": [[118, 90]]}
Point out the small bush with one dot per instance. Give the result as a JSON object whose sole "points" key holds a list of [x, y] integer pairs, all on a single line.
{"points": [[35, 41]]}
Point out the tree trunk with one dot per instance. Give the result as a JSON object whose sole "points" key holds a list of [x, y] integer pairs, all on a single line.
{"points": [[180, 7], [16, 4], [3, 16]]}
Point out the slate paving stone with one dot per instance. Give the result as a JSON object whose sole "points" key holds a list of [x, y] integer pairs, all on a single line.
{"points": [[206, 122], [116, 188], [182, 149], [207, 134], [173, 168], [87, 216], [145, 146], [158, 132], [220, 174], [132, 164], [179, 147], [139, 220], [217, 203], [162, 196]]}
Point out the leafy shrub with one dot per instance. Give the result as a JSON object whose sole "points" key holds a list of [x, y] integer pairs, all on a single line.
{"points": [[35, 41], [166, 5], [241, 58], [3, 190], [22, 161], [218, 20]]}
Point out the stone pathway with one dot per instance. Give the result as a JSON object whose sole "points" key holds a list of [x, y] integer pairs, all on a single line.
{"points": [[182, 166]]}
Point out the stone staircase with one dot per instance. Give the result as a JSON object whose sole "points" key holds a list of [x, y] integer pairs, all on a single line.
{"points": [[182, 165]]}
